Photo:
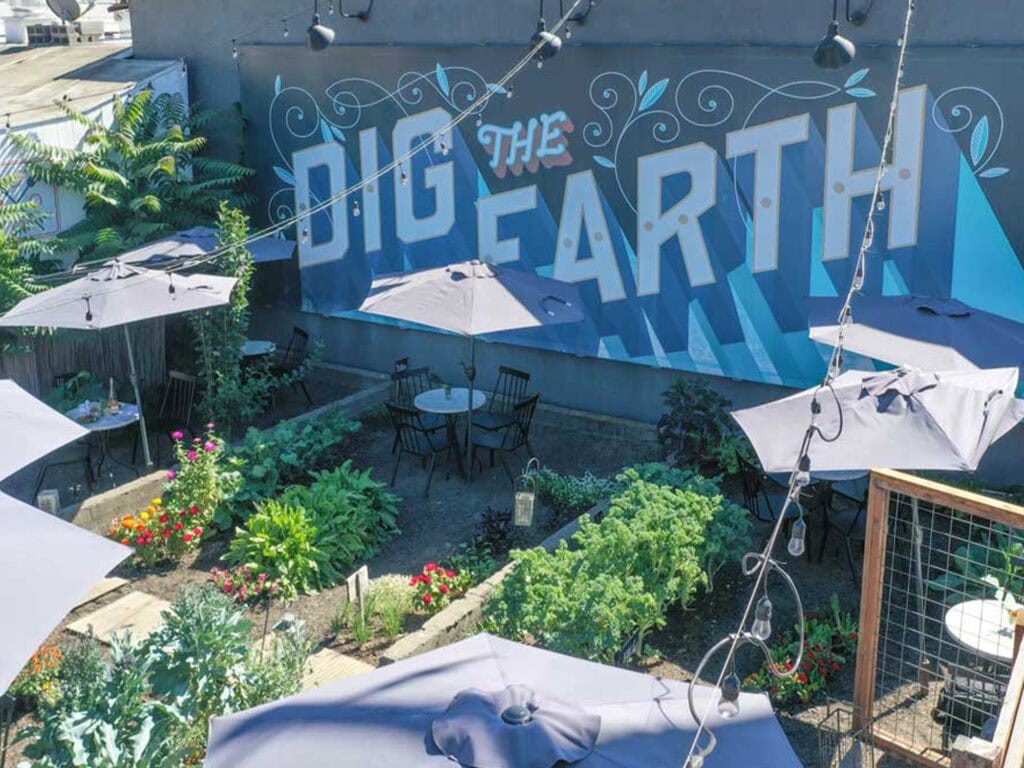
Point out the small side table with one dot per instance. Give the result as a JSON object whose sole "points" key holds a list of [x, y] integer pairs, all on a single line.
{"points": [[984, 627], [451, 406], [258, 348], [127, 415]]}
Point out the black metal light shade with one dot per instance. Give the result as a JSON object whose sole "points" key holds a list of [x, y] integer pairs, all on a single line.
{"points": [[550, 43], [834, 50], [319, 36]]}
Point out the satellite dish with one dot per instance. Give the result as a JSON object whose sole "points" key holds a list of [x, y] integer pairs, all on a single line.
{"points": [[69, 10]]}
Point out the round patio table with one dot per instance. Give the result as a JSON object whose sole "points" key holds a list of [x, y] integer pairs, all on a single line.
{"points": [[982, 626], [127, 415], [450, 405], [258, 348]]}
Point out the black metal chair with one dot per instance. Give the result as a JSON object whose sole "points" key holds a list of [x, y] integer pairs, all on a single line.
{"points": [[292, 358], [77, 453], [847, 516], [762, 496], [511, 438], [509, 389], [413, 438], [405, 385], [175, 412]]}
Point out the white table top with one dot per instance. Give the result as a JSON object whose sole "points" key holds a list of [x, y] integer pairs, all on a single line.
{"points": [[434, 401], [983, 626], [129, 414], [257, 347]]}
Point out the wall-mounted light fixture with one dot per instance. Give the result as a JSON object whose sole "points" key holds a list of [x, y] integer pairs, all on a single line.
{"points": [[363, 15], [834, 50], [577, 18], [549, 43]]}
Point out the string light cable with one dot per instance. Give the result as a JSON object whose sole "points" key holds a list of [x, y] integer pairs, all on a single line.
{"points": [[439, 137], [501, 85], [761, 564]]}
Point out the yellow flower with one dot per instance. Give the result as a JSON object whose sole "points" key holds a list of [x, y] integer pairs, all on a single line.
{"points": [[128, 521], [145, 515], [157, 502]]}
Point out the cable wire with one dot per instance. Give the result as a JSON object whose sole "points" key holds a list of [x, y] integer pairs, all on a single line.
{"points": [[695, 756]]}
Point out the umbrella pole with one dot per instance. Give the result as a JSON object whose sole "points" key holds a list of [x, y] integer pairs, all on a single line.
{"points": [[138, 397], [471, 375]]}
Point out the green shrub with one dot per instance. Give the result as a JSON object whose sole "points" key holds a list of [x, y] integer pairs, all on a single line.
{"points": [[149, 707], [352, 512], [697, 430], [272, 459], [571, 495], [392, 602], [282, 540], [203, 478], [652, 550]]}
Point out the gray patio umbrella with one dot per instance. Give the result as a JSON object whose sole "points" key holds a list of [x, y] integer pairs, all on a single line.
{"points": [[492, 703], [117, 295], [472, 299], [31, 429], [900, 419], [922, 331], [190, 244], [46, 566]]}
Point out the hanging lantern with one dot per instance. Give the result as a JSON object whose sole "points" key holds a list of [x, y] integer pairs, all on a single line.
{"points": [[526, 495]]}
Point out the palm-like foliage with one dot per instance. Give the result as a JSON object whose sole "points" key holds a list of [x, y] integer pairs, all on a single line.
{"points": [[142, 177], [20, 253]]}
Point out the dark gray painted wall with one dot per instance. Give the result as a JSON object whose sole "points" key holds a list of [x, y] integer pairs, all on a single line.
{"points": [[200, 31]]}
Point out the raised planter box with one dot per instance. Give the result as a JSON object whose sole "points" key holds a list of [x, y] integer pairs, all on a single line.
{"points": [[455, 621]]}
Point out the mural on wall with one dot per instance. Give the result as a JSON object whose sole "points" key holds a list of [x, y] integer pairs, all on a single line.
{"points": [[698, 198]]}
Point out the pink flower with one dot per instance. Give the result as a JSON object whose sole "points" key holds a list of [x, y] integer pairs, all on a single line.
{"points": [[187, 537], [430, 567], [192, 455], [171, 475], [210, 447], [428, 599], [177, 435], [210, 426]]}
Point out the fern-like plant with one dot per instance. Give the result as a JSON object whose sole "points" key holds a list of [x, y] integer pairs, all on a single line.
{"points": [[142, 177], [21, 254]]}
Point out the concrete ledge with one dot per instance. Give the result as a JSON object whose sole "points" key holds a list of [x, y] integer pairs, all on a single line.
{"points": [[596, 424], [461, 616]]}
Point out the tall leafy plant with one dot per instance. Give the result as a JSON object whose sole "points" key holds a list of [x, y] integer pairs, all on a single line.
{"points": [[21, 254], [141, 177]]}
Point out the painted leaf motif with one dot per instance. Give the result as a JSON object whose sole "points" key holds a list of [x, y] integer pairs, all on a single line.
{"points": [[979, 140], [651, 97], [325, 131], [602, 160], [993, 173], [860, 93], [856, 77], [642, 84], [338, 133], [277, 84], [442, 80], [495, 88], [284, 175]]}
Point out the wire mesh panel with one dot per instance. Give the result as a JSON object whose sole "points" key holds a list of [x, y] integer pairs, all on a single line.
{"points": [[943, 568], [844, 739]]}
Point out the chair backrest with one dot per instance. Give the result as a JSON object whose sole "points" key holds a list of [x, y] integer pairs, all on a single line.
{"points": [[298, 348], [509, 390], [752, 481], [401, 365], [518, 432], [179, 396], [405, 385], [412, 435]]}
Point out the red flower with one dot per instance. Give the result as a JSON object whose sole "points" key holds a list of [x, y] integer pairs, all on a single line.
{"points": [[167, 532], [141, 540], [414, 581], [426, 579], [430, 567], [835, 666], [164, 518], [187, 537], [197, 531], [451, 574], [808, 666], [428, 599], [193, 510], [801, 678], [444, 588], [178, 526]]}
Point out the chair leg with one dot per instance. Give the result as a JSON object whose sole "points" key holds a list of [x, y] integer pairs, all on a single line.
{"points": [[39, 481], [853, 567], [430, 474], [302, 386], [508, 471], [824, 540], [394, 472]]}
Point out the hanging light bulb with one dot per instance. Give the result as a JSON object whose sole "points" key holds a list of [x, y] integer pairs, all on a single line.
{"points": [[803, 469], [403, 176], [762, 626], [479, 121], [285, 32], [508, 92], [728, 704], [444, 148], [549, 43], [234, 49], [305, 235], [355, 209], [330, 8], [797, 538], [568, 32]]}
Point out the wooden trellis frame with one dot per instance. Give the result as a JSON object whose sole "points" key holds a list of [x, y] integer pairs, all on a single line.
{"points": [[1006, 750]]}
